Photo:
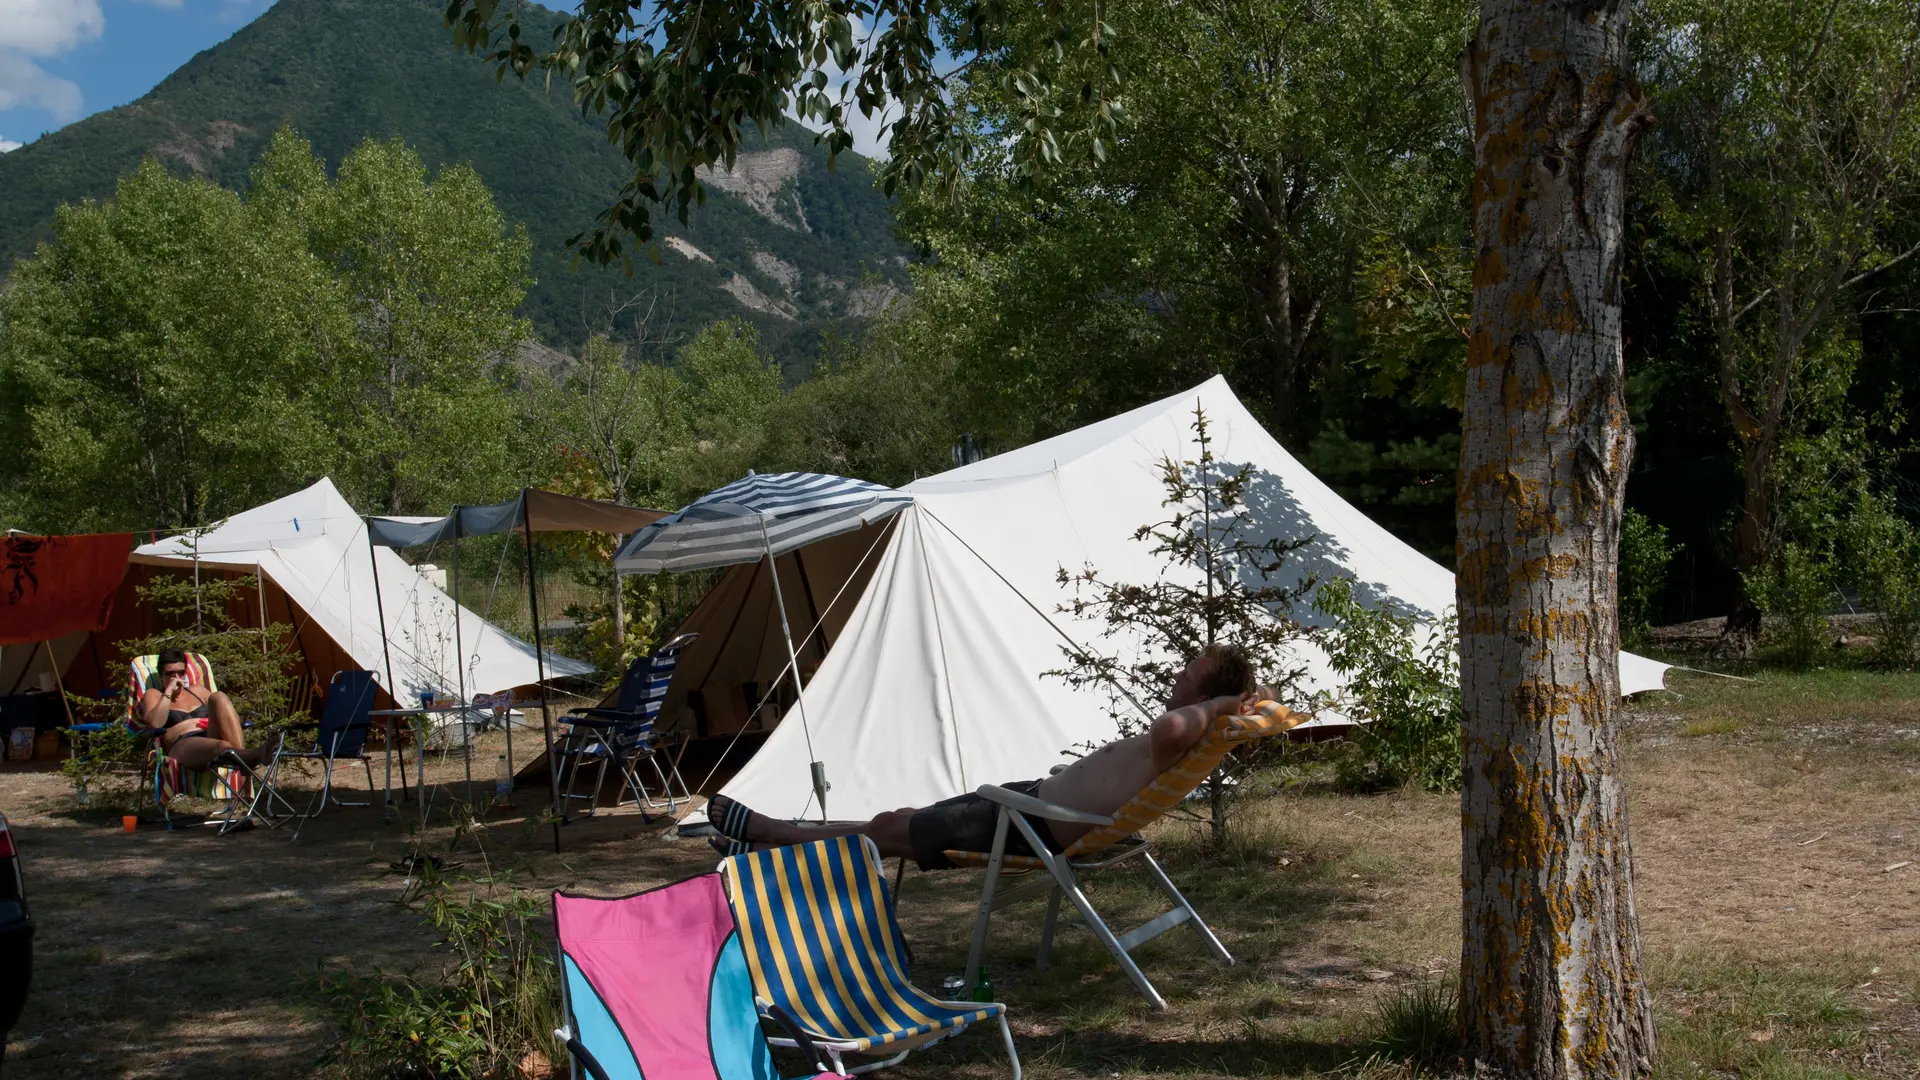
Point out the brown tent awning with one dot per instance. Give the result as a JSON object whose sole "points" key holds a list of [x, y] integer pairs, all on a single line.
{"points": [[549, 511]]}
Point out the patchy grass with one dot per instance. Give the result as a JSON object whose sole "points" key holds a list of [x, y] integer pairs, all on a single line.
{"points": [[1712, 725], [1778, 943], [1419, 1024], [1745, 1017]]}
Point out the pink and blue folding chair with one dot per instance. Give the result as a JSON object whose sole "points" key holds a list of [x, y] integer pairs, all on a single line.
{"points": [[655, 986]]}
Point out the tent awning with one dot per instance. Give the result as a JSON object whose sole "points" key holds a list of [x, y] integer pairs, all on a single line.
{"points": [[540, 511]]}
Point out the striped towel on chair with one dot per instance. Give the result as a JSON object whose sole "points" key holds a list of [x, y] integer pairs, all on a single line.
{"points": [[1166, 790]]}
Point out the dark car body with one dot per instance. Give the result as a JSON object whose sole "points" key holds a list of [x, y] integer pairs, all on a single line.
{"points": [[16, 937]]}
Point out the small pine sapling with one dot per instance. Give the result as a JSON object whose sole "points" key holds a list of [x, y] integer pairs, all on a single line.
{"points": [[1217, 585]]}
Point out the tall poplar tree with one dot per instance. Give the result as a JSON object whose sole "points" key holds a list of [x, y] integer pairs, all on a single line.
{"points": [[1552, 983]]}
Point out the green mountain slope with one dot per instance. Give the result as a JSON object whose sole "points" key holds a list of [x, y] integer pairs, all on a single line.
{"points": [[782, 241]]}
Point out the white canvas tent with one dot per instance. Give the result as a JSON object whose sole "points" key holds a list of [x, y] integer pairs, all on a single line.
{"points": [[312, 546], [27, 667], [937, 682]]}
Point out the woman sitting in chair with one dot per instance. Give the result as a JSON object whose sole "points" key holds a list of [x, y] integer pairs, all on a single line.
{"points": [[196, 724]]}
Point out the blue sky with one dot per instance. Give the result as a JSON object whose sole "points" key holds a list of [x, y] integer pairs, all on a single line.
{"points": [[61, 60]]}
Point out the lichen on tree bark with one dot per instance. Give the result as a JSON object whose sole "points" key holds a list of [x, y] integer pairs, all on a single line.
{"points": [[1552, 983]]}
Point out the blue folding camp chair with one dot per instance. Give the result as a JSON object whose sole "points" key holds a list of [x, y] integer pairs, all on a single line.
{"points": [[623, 736], [341, 736], [655, 985], [823, 947]]}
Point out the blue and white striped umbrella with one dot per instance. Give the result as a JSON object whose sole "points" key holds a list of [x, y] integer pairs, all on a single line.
{"points": [[754, 516]]}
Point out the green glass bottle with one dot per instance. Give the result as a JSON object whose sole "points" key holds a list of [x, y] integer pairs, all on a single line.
{"points": [[983, 990]]}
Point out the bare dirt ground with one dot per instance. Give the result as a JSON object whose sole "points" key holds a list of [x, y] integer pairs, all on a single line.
{"points": [[1770, 820]]}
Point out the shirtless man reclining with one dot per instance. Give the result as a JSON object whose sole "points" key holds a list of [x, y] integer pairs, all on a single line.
{"points": [[1218, 681]]}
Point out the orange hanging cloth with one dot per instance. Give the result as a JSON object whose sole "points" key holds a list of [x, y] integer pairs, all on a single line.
{"points": [[54, 585]]}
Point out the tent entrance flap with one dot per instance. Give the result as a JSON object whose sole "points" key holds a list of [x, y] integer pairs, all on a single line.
{"points": [[732, 680], [764, 517]]}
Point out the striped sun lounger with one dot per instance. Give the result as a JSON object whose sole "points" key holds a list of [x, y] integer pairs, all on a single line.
{"points": [[1113, 840], [822, 945]]}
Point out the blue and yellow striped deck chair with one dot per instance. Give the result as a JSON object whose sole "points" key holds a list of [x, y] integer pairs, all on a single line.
{"points": [[823, 946]]}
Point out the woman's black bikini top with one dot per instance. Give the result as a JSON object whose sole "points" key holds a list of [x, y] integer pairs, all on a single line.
{"points": [[175, 716]]}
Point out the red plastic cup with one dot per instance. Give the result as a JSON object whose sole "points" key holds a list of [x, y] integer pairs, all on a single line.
{"points": [[129, 822]]}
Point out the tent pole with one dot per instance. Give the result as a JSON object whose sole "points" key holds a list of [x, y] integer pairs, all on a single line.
{"points": [[196, 582], [540, 670], [460, 651], [393, 691], [793, 661], [59, 684]]}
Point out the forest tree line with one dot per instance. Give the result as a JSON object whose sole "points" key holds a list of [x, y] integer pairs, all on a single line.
{"points": [[1283, 200]]}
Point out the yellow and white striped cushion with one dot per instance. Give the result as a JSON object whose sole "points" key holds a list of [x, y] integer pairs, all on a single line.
{"points": [[1168, 789]]}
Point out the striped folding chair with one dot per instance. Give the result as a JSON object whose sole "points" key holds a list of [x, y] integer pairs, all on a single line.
{"points": [[1113, 841], [823, 947], [624, 737], [170, 779], [656, 985]]}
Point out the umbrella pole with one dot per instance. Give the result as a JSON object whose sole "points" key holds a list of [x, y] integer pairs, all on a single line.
{"points": [[793, 665], [380, 607], [540, 668]]}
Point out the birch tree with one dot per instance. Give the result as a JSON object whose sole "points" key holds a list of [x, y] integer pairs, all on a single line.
{"points": [[433, 274], [1552, 983], [166, 359]]}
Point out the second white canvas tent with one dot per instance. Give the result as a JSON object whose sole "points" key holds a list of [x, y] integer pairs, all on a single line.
{"points": [[313, 546], [938, 681]]}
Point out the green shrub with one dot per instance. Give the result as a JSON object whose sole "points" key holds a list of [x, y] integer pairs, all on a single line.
{"points": [[107, 765], [1796, 591], [1644, 555], [250, 662], [1166, 622], [1883, 564], [1403, 693], [496, 1001]]}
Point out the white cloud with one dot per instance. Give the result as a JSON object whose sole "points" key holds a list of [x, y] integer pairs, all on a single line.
{"points": [[8, 146], [49, 27], [24, 84]]}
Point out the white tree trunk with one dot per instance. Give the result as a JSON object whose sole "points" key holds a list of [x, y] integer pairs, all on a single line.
{"points": [[1552, 984]]}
